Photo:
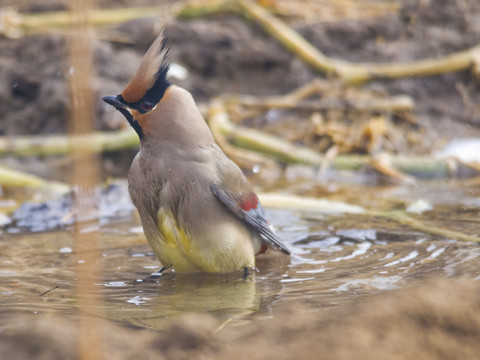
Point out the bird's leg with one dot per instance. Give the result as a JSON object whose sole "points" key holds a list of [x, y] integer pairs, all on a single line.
{"points": [[159, 272], [152, 276], [246, 272]]}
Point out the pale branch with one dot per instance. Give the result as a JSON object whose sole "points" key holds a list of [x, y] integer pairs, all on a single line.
{"points": [[404, 219], [258, 147], [287, 201], [392, 104], [333, 95], [218, 118], [39, 145], [223, 129], [14, 24], [15, 178], [194, 9], [283, 151], [348, 72], [351, 72]]}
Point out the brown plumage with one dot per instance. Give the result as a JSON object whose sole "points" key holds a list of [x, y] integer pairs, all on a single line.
{"points": [[198, 211]]}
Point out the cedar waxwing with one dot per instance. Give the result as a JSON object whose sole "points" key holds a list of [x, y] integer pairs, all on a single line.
{"points": [[197, 209]]}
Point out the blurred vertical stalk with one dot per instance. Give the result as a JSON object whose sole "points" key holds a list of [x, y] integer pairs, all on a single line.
{"points": [[85, 176]]}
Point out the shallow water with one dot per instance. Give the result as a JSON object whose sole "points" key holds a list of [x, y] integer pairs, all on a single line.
{"points": [[336, 259]]}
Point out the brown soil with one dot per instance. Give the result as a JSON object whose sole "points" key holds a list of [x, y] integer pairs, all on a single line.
{"points": [[436, 320]]}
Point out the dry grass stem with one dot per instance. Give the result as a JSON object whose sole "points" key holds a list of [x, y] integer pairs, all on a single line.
{"points": [[13, 24], [356, 73], [15, 178], [227, 133], [45, 145]]}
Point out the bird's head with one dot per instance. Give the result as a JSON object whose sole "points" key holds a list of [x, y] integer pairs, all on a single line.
{"points": [[146, 88]]}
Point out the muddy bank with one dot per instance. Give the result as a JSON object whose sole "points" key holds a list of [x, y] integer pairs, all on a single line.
{"points": [[438, 319]]}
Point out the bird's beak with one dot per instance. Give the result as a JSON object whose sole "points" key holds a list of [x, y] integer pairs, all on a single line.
{"points": [[115, 102]]}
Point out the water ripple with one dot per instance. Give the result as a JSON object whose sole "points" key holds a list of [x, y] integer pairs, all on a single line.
{"points": [[410, 256]]}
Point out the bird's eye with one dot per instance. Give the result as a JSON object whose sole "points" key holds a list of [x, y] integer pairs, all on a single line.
{"points": [[147, 105]]}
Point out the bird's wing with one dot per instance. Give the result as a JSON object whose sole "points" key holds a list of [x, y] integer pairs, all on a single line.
{"points": [[239, 198]]}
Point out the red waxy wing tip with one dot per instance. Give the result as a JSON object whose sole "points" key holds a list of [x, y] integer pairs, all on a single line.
{"points": [[249, 202]]}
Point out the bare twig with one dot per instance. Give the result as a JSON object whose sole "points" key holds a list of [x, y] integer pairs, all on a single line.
{"points": [[323, 205], [287, 201], [14, 25], [383, 164], [394, 103], [355, 73], [47, 291], [404, 219], [194, 9], [39, 145], [219, 119], [283, 151], [16, 178]]}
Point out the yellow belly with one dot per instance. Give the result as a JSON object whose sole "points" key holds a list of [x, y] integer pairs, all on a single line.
{"points": [[223, 254]]}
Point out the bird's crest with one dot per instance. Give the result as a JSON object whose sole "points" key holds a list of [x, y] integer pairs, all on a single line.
{"points": [[151, 74]]}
